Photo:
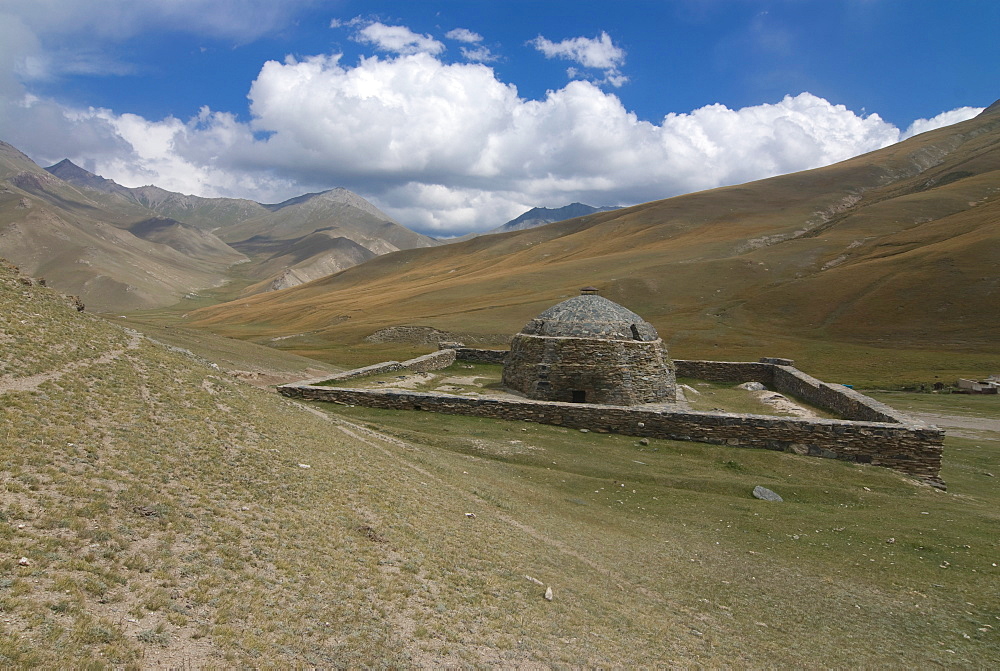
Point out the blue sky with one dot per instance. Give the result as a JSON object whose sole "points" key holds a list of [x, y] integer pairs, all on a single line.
{"points": [[455, 116]]}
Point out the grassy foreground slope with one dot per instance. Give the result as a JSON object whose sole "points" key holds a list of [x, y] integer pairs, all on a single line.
{"points": [[894, 251], [154, 511]]}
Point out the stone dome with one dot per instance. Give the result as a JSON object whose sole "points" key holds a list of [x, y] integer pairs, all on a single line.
{"points": [[591, 316]]}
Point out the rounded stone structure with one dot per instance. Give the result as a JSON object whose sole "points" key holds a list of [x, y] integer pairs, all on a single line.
{"points": [[589, 349]]}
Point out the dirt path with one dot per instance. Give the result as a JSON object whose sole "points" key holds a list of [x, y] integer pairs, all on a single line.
{"points": [[32, 382], [372, 438], [959, 422]]}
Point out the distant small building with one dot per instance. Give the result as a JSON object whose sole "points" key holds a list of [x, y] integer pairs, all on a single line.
{"points": [[988, 386], [589, 349]]}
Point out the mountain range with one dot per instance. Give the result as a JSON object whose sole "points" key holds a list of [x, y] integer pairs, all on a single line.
{"points": [[539, 216], [123, 248]]}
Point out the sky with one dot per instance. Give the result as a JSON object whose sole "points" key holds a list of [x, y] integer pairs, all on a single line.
{"points": [[455, 116]]}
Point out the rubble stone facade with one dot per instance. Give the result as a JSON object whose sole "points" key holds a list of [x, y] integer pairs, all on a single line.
{"points": [[590, 350]]}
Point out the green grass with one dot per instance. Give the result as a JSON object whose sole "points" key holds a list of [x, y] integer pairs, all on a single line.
{"points": [[861, 557], [716, 396]]}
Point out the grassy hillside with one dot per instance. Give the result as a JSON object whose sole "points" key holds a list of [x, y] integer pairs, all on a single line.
{"points": [[895, 251], [154, 511]]}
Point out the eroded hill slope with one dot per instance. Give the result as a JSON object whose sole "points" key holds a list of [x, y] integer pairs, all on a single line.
{"points": [[899, 246]]}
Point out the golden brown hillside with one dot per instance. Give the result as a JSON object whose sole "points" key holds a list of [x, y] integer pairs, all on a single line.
{"points": [[899, 248]]}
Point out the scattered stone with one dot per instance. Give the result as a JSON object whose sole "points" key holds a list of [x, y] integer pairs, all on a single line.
{"points": [[765, 494], [988, 474], [535, 580], [471, 516], [584, 430], [304, 466], [24, 561], [548, 594], [371, 534], [890, 541], [751, 386]]}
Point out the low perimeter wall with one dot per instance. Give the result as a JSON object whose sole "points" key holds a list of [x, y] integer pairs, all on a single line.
{"points": [[874, 433]]}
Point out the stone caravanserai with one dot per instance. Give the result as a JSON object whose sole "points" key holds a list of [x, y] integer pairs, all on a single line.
{"points": [[589, 349], [592, 364]]}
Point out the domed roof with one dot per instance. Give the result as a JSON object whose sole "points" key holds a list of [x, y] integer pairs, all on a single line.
{"points": [[590, 316]]}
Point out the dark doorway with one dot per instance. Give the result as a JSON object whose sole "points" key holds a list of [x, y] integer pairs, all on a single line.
{"points": [[579, 396], [635, 333]]}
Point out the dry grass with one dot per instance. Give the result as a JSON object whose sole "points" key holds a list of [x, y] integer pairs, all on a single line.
{"points": [[168, 518]]}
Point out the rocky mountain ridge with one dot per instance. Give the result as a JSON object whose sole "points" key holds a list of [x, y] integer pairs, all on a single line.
{"points": [[124, 248]]}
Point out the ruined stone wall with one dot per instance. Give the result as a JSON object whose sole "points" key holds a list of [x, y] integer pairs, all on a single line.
{"points": [[493, 356], [433, 361], [726, 371], [374, 369], [847, 403], [615, 372], [421, 364], [911, 447]]}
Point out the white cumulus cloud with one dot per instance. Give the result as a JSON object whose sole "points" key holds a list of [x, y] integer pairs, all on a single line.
{"points": [[464, 35], [398, 39], [444, 147], [941, 120], [598, 53]]}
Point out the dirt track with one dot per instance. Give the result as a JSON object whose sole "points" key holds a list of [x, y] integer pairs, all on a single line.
{"points": [[948, 422]]}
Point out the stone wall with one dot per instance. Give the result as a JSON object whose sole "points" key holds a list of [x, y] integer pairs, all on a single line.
{"points": [[846, 402], [421, 364], [912, 447], [726, 371], [871, 433], [433, 361], [374, 369], [473, 355]]}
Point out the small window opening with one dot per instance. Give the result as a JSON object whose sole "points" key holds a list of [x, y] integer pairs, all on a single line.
{"points": [[635, 333], [579, 396]]}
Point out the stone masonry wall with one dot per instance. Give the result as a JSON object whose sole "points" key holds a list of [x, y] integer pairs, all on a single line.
{"points": [[421, 364], [872, 433], [847, 403], [912, 448], [494, 356], [433, 361], [726, 371]]}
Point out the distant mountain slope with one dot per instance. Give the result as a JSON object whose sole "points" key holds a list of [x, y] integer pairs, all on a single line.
{"points": [[186, 239], [899, 247], [358, 219], [539, 216], [246, 224], [292, 262], [78, 239], [205, 213]]}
